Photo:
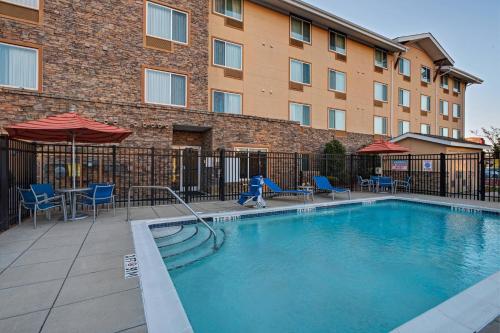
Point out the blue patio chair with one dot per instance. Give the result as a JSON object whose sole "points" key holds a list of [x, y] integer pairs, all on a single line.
{"points": [[35, 203], [278, 190], [101, 195], [386, 183], [363, 183], [403, 184], [323, 183], [254, 193]]}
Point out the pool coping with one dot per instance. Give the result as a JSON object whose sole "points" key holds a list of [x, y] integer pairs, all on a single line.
{"points": [[164, 311]]}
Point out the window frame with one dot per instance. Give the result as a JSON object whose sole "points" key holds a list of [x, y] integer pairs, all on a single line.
{"points": [[24, 6], [302, 62], [401, 122], [455, 130], [225, 15], [302, 26], [345, 80], [459, 89], [335, 33], [335, 110], [165, 70], [430, 101], [421, 74], [386, 92], [147, 2], [384, 119], [214, 39], [441, 82], [428, 126], [442, 109], [441, 132], [459, 109], [39, 64], [302, 104], [229, 93], [409, 98], [401, 60], [375, 58]]}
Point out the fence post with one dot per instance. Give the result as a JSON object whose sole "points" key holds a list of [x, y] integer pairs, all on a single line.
{"points": [[442, 175], [114, 164], [351, 170], [295, 170], [482, 177], [222, 175], [4, 183], [409, 172], [153, 192]]}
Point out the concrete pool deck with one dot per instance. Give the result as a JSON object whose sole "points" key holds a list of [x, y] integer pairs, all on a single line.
{"points": [[68, 277]]}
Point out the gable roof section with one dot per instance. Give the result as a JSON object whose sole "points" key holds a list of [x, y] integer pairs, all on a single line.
{"points": [[462, 75], [327, 20], [440, 140], [430, 45]]}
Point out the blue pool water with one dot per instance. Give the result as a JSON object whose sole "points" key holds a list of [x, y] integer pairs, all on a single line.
{"points": [[347, 269]]}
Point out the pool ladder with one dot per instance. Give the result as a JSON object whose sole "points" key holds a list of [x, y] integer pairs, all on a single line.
{"points": [[198, 217]]}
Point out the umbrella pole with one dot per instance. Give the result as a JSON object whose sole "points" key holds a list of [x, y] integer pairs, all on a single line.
{"points": [[73, 161]]}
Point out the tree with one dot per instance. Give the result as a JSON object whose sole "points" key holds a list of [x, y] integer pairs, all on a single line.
{"points": [[335, 162], [492, 135], [335, 147]]}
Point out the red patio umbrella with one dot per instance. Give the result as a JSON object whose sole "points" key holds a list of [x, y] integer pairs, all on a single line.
{"points": [[68, 127], [383, 147]]}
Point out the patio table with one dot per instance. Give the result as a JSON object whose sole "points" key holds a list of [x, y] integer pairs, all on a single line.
{"points": [[71, 194]]}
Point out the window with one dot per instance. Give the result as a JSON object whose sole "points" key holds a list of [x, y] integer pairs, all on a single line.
{"points": [[165, 88], [380, 90], [228, 54], [300, 113], [444, 82], [300, 72], [425, 129], [425, 103], [404, 127], [166, 23], [425, 74], [18, 67], [456, 110], [380, 58], [300, 29], [33, 4], [336, 119], [224, 102], [443, 131], [443, 107], [229, 8], [455, 133], [456, 85], [404, 66], [337, 42], [336, 81], [404, 98], [380, 125]]}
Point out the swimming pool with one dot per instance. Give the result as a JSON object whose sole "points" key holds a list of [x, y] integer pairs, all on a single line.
{"points": [[354, 268]]}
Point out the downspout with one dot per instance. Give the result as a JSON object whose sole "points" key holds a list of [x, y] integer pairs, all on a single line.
{"points": [[437, 101], [391, 120]]}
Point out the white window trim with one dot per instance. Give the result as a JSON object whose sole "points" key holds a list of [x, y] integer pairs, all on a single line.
{"points": [[310, 30], [171, 23], [37, 87], [156, 103], [310, 72], [441, 83], [37, 7], [409, 98], [231, 17], [384, 119], [228, 93], [225, 53], [427, 126], [430, 74], [375, 58], [441, 132], [403, 122], [399, 67], [345, 119], [421, 106], [459, 110], [459, 90], [301, 104], [457, 131], [442, 110], [330, 44], [386, 89], [345, 82]]}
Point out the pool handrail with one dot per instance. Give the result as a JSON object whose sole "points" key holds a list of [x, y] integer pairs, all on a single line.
{"points": [[198, 217]]}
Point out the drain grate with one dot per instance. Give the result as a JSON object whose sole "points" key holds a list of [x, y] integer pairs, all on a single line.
{"points": [[130, 266]]}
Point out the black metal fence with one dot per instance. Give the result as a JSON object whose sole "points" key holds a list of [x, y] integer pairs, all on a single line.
{"points": [[221, 175]]}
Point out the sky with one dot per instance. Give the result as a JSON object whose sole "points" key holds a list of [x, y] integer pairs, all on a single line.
{"points": [[469, 30]]}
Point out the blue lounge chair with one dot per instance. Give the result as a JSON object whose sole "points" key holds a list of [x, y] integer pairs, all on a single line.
{"points": [[278, 190], [34, 203], [385, 184], [323, 183], [404, 184], [254, 194], [102, 195]]}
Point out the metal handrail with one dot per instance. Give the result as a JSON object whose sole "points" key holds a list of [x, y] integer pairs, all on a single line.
{"points": [[198, 217]]}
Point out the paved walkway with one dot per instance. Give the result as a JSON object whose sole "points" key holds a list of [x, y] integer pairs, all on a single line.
{"points": [[68, 277]]}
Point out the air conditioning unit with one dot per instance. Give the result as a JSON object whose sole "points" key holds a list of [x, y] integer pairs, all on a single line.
{"points": [[378, 171]]}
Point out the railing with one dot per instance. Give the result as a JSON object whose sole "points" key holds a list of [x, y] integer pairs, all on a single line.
{"points": [[198, 217]]}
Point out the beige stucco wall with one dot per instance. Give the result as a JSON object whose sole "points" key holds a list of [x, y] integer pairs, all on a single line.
{"points": [[424, 147], [265, 85]]}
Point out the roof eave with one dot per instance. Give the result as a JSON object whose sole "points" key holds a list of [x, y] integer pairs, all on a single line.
{"points": [[463, 75], [442, 141], [410, 38]]}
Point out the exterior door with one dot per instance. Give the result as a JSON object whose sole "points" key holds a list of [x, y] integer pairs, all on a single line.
{"points": [[190, 168]]}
